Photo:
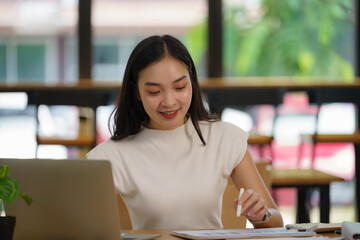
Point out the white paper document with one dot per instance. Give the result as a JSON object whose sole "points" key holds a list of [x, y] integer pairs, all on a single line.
{"points": [[242, 233]]}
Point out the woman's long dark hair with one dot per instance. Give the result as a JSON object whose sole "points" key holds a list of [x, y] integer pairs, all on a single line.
{"points": [[129, 114]]}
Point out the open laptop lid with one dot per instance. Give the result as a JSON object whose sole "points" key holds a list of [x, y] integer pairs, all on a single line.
{"points": [[73, 199]]}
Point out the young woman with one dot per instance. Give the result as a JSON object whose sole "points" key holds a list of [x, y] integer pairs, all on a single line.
{"points": [[171, 159]]}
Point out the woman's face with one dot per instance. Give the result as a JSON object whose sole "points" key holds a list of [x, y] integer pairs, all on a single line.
{"points": [[165, 91]]}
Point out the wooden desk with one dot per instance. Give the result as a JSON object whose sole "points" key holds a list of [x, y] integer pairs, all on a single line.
{"points": [[303, 180], [257, 139], [166, 234], [333, 138], [220, 93]]}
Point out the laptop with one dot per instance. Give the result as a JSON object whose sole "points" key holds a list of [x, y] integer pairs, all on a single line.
{"points": [[72, 199]]}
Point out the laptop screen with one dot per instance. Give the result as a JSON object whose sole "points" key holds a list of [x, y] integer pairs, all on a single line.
{"points": [[72, 199]]}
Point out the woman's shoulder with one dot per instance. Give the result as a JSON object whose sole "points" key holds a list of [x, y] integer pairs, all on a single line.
{"points": [[222, 130], [102, 149], [221, 126], [110, 145]]}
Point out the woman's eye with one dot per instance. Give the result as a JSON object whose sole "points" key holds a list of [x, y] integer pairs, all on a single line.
{"points": [[154, 92], [180, 88]]}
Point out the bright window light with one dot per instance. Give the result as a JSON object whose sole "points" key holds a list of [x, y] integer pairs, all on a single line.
{"points": [[16, 101]]}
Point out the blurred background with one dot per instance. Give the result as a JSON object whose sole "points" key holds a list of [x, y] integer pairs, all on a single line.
{"points": [[262, 38]]}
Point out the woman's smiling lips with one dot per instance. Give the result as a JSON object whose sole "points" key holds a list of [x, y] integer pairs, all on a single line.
{"points": [[170, 114]]}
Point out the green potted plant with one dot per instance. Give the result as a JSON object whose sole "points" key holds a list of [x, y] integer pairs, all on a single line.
{"points": [[9, 191]]}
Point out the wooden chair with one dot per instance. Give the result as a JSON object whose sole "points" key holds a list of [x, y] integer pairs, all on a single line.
{"points": [[228, 216], [265, 171], [125, 222], [318, 137], [326, 138]]}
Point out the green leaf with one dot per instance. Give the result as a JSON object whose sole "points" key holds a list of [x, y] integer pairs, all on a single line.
{"points": [[26, 198], [9, 190], [306, 62], [4, 171], [195, 41]]}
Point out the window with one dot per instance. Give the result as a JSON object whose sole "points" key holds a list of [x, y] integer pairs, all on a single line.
{"points": [[2, 63], [289, 38], [31, 62], [119, 25], [37, 40], [106, 59]]}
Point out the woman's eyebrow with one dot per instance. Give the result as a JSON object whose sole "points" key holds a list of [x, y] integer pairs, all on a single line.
{"points": [[151, 84], [158, 84], [180, 78]]}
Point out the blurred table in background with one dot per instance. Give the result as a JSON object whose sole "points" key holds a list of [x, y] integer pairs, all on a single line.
{"points": [[304, 180]]}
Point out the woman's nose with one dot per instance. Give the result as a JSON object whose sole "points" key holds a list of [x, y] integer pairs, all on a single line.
{"points": [[169, 99]]}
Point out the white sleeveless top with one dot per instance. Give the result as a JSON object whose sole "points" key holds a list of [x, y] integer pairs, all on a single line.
{"points": [[168, 179]]}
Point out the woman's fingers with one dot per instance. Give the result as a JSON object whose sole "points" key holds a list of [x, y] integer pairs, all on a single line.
{"points": [[253, 205], [247, 200], [257, 212]]}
